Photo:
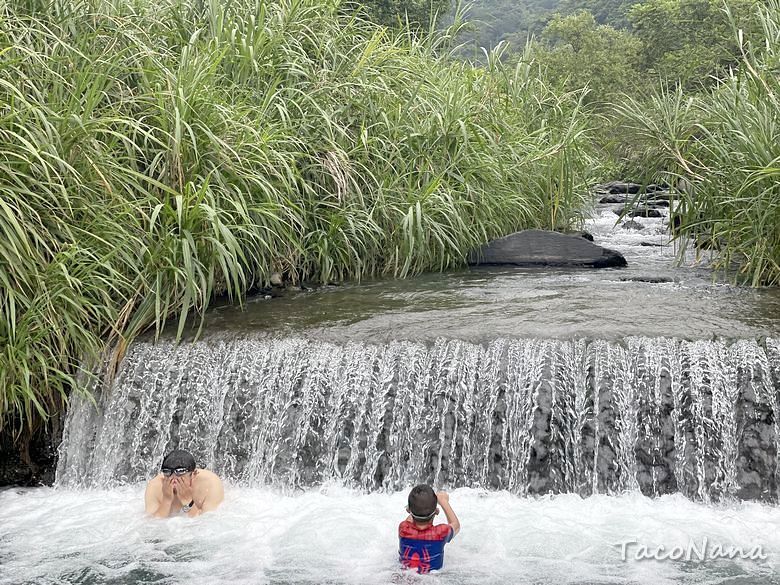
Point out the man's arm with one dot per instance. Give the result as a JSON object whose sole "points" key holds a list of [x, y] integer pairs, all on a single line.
{"points": [[158, 500], [452, 519]]}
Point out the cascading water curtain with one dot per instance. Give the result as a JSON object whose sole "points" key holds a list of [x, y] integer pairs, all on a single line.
{"points": [[530, 416]]}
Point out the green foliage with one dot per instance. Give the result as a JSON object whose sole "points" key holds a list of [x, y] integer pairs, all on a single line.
{"points": [[689, 41], [416, 13], [156, 154], [492, 22], [578, 52], [611, 12], [722, 149], [515, 22]]}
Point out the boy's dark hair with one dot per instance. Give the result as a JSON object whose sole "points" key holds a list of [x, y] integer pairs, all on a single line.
{"points": [[178, 459], [422, 503]]}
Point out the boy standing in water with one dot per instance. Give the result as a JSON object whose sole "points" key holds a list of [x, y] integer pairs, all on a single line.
{"points": [[421, 544]]}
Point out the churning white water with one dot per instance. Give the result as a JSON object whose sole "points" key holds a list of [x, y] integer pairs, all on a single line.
{"points": [[335, 535]]}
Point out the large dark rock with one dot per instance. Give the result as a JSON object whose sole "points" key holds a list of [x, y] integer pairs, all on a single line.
{"points": [[653, 188], [632, 225], [639, 211], [657, 199], [656, 203], [615, 187], [544, 248], [645, 211]]}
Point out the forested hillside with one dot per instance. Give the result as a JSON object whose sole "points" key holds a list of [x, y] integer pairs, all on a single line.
{"points": [[512, 21], [494, 21]]}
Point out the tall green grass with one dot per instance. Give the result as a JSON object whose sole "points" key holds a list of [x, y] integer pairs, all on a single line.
{"points": [[154, 154], [723, 148]]}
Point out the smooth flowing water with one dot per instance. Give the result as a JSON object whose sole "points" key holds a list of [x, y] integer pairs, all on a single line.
{"points": [[651, 297]]}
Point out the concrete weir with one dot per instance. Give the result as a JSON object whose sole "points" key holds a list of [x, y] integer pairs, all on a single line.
{"points": [[532, 416]]}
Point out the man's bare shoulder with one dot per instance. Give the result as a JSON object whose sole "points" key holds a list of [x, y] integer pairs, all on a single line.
{"points": [[209, 492], [153, 494], [207, 481], [210, 476], [155, 484]]}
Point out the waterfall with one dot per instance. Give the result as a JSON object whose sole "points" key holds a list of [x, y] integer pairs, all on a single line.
{"points": [[531, 416]]}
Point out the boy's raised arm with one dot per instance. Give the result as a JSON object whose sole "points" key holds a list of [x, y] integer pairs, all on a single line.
{"points": [[452, 519]]}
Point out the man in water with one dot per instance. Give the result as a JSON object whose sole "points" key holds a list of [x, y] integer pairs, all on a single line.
{"points": [[180, 488]]}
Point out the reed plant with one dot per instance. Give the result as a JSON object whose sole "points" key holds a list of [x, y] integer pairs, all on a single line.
{"points": [[155, 154], [721, 149]]}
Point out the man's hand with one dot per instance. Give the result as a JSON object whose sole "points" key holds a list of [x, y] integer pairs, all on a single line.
{"points": [[443, 497], [168, 488], [158, 501], [183, 491]]}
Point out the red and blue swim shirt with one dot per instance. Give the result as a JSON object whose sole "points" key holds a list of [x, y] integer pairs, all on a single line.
{"points": [[423, 548]]}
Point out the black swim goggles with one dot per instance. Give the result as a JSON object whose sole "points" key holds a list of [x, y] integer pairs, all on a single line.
{"points": [[178, 472]]}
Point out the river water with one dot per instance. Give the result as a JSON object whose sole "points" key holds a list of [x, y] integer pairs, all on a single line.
{"points": [[331, 535], [652, 377], [651, 297]]}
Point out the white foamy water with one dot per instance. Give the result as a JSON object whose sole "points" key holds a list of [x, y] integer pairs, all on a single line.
{"points": [[334, 535]]}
